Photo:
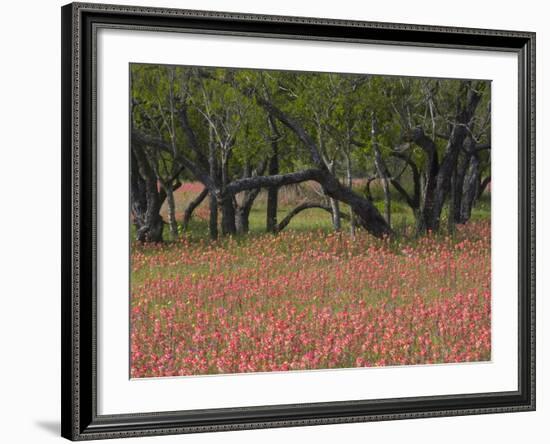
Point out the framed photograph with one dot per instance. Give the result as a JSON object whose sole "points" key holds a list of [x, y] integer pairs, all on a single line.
{"points": [[283, 221]]}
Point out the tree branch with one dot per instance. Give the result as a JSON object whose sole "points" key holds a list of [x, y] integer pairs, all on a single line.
{"points": [[305, 206], [288, 121], [414, 201], [191, 137], [276, 180], [143, 139], [192, 206]]}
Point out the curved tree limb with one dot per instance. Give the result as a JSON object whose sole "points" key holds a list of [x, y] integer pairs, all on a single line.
{"points": [[191, 137], [293, 125], [483, 186], [368, 216], [419, 137], [367, 190], [414, 200], [143, 139], [192, 206], [476, 148], [278, 180], [305, 206]]}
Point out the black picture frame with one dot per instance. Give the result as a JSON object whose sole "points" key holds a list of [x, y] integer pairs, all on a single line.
{"points": [[80, 420]]}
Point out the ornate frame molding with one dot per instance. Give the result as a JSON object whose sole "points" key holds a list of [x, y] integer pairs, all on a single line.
{"points": [[79, 394]]}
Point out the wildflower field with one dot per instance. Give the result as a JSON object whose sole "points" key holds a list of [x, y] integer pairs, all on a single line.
{"points": [[295, 220], [309, 299]]}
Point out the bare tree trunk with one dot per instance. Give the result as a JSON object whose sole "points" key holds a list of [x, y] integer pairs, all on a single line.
{"points": [[334, 205], [453, 197], [483, 186], [458, 187], [188, 213], [242, 220], [414, 199], [144, 194], [242, 212], [146, 201], [350, 186], [272, 208], [213, 172], [458, 135], [368, 192], [228, 214], [381, 170], [171, 211], [367, 214], [471, 190], [273, 168], [335, 210], [438, 176], [425, 221], [213, 218], [138, 190], [226, 199]]}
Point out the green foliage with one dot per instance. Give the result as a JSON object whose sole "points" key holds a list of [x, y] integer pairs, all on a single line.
{"points": [[336, 110]]}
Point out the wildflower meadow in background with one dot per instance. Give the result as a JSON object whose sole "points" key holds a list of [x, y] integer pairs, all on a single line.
{"points": [[310, 300]]}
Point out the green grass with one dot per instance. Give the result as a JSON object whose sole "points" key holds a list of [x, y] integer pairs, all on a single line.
{"points": [[309, 220], [402, 217]]}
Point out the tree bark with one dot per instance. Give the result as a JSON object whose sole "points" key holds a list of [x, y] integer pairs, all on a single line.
{"points": [[350, 186], [242, 209], [213, 171], [468, 181], [335, 207], [367, 214], [335, 211], [149, 223], [242, 212], [368, 192], [438, 181], [172, 222], [458, 187], [272, 207], [225, 198], [456, 140], [188, 213], [225, 202], [425, 213], [381, 169], [452, 198], [483, 186], [471, 190], [138, 191], [195, 168], [242, 215], [414, 200], [213, 217], [272, 192]]}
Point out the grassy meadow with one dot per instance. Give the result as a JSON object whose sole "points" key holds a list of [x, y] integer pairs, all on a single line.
{"points": [[309, 297]]}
